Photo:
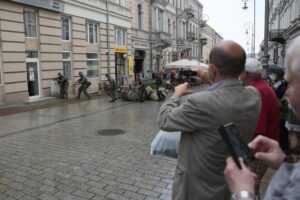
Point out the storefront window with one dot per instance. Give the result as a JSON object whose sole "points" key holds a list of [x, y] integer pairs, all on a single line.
{"points": [[65, 28], [120, 37], [30, 23], [67, 67], [92, 62], [91, 32]]}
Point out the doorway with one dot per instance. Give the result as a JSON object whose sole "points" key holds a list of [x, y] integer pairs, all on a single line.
{"points": [[32, 74], [120, 68], [139, 57]]}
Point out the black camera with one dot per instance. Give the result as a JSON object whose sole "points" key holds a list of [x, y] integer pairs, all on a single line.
{"points": [[188, 73]]}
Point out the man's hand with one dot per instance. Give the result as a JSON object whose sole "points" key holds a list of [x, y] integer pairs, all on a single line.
{"points": [[267, 150], [202, 75], [182, 90], [239, 179]]}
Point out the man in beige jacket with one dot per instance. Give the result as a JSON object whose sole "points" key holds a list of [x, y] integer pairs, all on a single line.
{"points": [[202, 151]]}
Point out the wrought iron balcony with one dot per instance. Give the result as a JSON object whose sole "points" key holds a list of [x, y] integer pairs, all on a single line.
{"points": [[191, 36], [277, 36], [184, 44], [189, 12], [161, 39], [203, 41]]}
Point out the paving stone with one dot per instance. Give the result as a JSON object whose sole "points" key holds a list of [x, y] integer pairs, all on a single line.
{"points": [[83, 194]]}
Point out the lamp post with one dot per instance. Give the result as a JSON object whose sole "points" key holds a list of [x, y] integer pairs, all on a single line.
{"points": [[265, 60], [249, 25], [202, 41], [245, 7]]}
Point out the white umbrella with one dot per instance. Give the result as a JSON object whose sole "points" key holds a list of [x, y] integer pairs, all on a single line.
{"points": [[184, 63], [199, 65]]}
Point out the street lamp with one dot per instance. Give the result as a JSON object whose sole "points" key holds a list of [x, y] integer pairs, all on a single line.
{"points": [[245, 4], [249, 26], [202, 41], [254, 22]]}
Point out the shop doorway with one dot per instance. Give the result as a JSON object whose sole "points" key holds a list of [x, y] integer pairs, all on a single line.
{"points": [[32, 74], [120, 68], [139, 57]]}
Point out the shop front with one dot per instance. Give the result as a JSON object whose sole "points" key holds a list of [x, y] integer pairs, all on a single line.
{"points": [[140, 57], [120, 60]]}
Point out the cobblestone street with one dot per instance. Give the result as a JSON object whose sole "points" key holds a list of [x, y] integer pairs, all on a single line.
{"points": [[68, 159]]}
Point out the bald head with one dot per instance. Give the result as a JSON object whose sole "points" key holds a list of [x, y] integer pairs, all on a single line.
{"points": [[229, 57]]}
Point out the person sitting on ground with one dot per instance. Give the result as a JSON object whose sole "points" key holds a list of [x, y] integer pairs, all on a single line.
{"points": [[285, 184]]}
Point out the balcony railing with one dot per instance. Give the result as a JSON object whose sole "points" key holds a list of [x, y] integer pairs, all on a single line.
{"points": [[184, 44], [191, 36], [277, 36], [203, 41], [189, 12], [161, 39]]}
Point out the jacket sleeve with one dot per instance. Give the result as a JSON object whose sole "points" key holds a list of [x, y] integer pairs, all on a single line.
{"points": [[175, 117]]}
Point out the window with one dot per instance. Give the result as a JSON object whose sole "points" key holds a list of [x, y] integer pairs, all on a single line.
{"points": [[92, 63], [169, 26], [91, 30], [65, 28], [120, 37], [66, 55], [120, 2], [174, 30], [30, 23], [160, 22], [140, 16]]}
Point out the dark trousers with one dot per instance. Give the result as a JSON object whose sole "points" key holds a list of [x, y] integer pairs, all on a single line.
{"points": [[83, 88], [64, 91]]}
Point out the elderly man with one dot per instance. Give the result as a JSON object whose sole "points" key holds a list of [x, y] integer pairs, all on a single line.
{"points": [[286, 182], [202, 152], [268, 123]]}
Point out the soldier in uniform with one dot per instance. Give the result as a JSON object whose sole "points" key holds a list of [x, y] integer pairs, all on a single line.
{"points": [[63, 84], [84, 85], [112, 88]]}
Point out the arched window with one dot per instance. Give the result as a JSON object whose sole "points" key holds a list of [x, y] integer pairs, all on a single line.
{"points": [[140, 16]]}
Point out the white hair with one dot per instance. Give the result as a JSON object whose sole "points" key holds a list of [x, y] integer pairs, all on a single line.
{"points": [[293, 56]]}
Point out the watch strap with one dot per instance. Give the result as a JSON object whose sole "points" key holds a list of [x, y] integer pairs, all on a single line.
{"points": [[243, 194]]}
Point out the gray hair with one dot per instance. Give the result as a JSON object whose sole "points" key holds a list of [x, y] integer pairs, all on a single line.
{"points": [[293, 55]]}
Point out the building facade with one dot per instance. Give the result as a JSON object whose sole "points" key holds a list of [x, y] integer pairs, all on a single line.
{"points": [[211, 39], [38, 39], [284, 26], [41, 38]]}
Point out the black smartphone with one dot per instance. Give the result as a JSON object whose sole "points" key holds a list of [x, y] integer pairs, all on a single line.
{"points": [[236, 145]]}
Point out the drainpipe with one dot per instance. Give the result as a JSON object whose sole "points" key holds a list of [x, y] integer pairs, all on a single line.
{"points": [[107, 36], [150, 35]]}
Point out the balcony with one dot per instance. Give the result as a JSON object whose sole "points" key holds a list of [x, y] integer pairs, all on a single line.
{"points": [[191, 36], [161, 39], [277, 36], [203, 41], [184, 44], [189, 12], [164, 3]]}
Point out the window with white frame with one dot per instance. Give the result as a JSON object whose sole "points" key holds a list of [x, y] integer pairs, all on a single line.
{"points": [[120, 37], [120, 2], [92, 63], [169, 26], [30, 23], [140, 16], [174, 30], [160, 20], [67, 65], [65, 28], [91, 31]]}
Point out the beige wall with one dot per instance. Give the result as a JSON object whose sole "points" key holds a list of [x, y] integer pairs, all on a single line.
{"points": [[50, 47]]}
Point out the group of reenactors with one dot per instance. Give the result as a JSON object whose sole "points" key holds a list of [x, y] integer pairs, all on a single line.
{"points": [[84, 85]]}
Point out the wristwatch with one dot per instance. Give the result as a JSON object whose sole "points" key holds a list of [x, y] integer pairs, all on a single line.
{"points": [[243, 194]]}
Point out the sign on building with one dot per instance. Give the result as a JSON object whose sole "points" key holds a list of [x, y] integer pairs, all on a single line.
{"points": [[55, 5]]}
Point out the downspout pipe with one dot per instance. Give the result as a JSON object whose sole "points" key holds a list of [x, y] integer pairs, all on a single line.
{"points": [[107, 36]]}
